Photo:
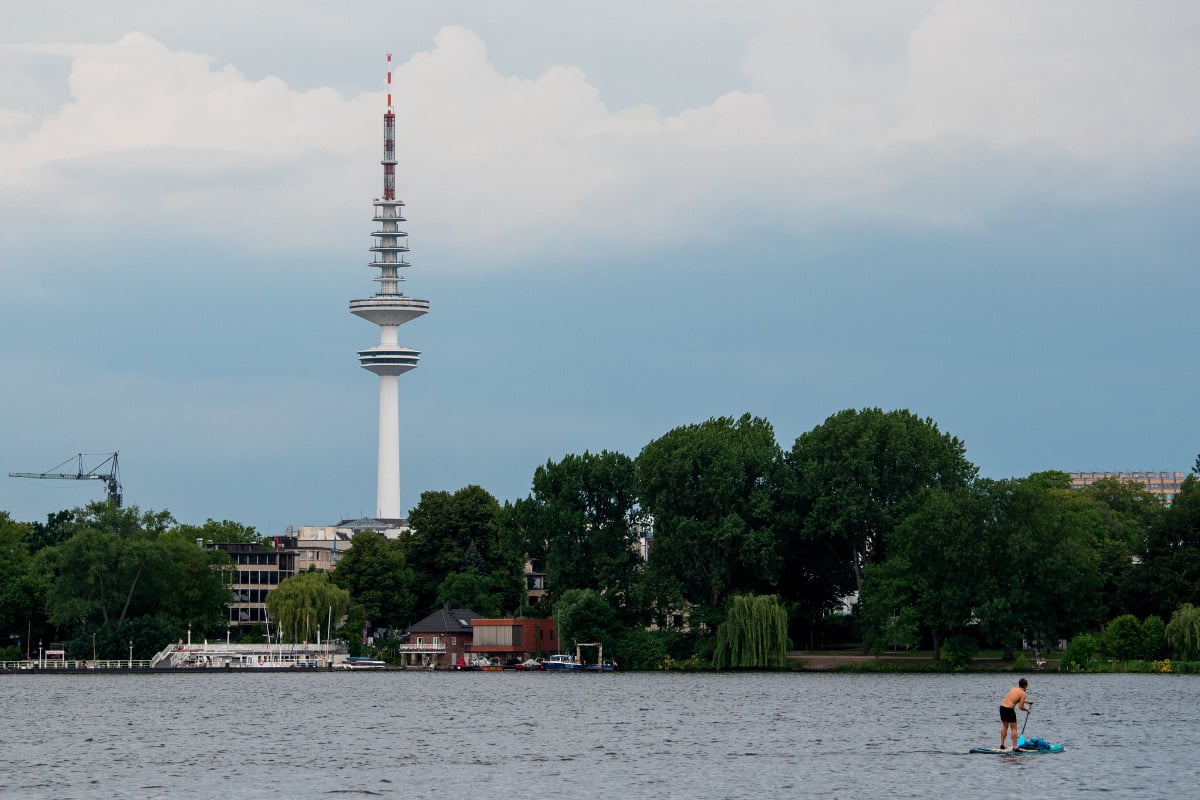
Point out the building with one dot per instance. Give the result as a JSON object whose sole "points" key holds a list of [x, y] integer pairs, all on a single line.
{"points": [[319, 546], [440, 639], [389, 309], [256, 570], [514, 640], [322, 546], [1164, 485]]}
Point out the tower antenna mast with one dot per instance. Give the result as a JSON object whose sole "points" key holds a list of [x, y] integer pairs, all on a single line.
{"points": [[389, 308]]}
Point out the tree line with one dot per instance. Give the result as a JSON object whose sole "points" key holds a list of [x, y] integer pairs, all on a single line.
{"points": [[877, 506]]}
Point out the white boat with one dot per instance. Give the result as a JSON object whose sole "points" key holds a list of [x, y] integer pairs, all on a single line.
{"points": [[361, 662]]}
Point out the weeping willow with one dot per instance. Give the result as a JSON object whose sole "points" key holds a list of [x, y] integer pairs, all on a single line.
{"points": [[754, 634], [1183, 632], [304, 602]]}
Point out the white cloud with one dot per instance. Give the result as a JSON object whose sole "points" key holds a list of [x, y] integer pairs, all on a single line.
{"points": [[497, 168]]}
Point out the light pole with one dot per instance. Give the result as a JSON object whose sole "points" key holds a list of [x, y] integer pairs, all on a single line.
{"points": [[39, 653], [131, 653]]}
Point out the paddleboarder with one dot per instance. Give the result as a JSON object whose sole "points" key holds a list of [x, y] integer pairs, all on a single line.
{"points": [[1016, 698]]}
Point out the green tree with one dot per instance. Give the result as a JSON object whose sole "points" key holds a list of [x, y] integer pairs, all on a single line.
{"points": [[885, 611], [223, 532], [191, 585], [375, 572], [122, 563], [937, 583], [301, 604], [709, 489], [860, 473], [1169, 572], [582, 615], [1123, 638], [460, 532], [21, 587], [1043, 559], [96, 575], [470, 590], [753, 635], [581, 522], [1154, 638], [1133, 512], [1183, 633], [1079, 653]]}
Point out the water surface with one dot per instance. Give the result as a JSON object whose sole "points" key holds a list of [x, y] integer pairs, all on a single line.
{"points": [[656, 735]]}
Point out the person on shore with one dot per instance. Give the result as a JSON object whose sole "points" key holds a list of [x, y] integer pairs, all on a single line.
{"points": [[1016, 698]]}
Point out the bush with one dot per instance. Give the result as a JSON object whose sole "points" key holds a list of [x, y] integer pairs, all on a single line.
{"points": [[1154, 638], [958, 651], [1123, 638], [638, 649], [1079, 654]]}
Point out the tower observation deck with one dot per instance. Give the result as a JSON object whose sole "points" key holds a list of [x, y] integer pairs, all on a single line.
{"points": [[389, 309]]}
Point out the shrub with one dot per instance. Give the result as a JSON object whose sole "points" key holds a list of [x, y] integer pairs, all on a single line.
{"points": [[1079, 654], [958, 651], [1154, 638], [1123, 638]]}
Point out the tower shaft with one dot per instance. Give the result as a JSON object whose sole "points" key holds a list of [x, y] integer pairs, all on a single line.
{"points": [[389, 308]]}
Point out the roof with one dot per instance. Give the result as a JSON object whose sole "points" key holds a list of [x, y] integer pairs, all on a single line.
{"points": [[445, 620]]}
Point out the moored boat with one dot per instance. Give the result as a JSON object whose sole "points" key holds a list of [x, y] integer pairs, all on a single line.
{"points": [[560, 662], [361, 662]]}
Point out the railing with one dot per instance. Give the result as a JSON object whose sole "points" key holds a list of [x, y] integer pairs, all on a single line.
{"points": [[60, 665], [420, 648]]}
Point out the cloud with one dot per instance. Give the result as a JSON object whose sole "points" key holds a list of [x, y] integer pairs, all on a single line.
{"points": [[954, 123]]}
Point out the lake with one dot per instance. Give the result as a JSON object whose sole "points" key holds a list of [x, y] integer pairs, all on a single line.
{"points": [[592, 735]]}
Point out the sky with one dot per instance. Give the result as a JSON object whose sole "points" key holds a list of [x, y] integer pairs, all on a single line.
{"points": [[627, 217]]}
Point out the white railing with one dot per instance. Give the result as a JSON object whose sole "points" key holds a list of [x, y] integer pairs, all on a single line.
{"points": [[57, 664]]}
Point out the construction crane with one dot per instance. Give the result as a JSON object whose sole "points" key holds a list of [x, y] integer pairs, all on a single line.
{"points": [[112, 484]]}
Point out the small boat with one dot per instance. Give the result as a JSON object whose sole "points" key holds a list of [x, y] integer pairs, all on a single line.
{"points": [[560, 662], [361, 662]]}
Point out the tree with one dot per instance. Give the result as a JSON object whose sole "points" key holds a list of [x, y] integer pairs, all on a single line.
{"points": [[709, 489], [1043, 559], [376, 574], [470, 590], [122, 563], [459, 532], [1154, 638], [753, 635], [1183, 633], [935, 581], [1123, 638], [886, 611], [223, 532], [860, 473], [21, 587], [582, 615], [581, 521], [1079, 653], [300, 604], [1169, 573]]}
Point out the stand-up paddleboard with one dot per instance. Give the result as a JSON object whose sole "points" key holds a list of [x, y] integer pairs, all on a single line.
{"points": [[1054, 748]]}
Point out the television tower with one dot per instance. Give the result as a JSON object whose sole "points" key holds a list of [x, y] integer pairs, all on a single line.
{"points": [[389, 309]]}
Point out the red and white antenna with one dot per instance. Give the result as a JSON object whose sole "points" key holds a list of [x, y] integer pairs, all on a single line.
{"points": [[389, 141]]}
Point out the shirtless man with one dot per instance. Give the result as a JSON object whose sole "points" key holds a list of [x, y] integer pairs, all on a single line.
{"points": [[1016, 698]]}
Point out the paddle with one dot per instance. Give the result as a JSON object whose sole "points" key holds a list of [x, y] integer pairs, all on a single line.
{"points": [[1026, 722]]}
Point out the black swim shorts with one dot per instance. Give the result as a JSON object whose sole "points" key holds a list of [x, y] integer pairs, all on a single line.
{"points": [[1008, 714]]}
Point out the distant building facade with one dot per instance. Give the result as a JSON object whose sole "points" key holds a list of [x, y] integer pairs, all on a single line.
{"points": [[255, 572], [514, 640], [1164, 485]]}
